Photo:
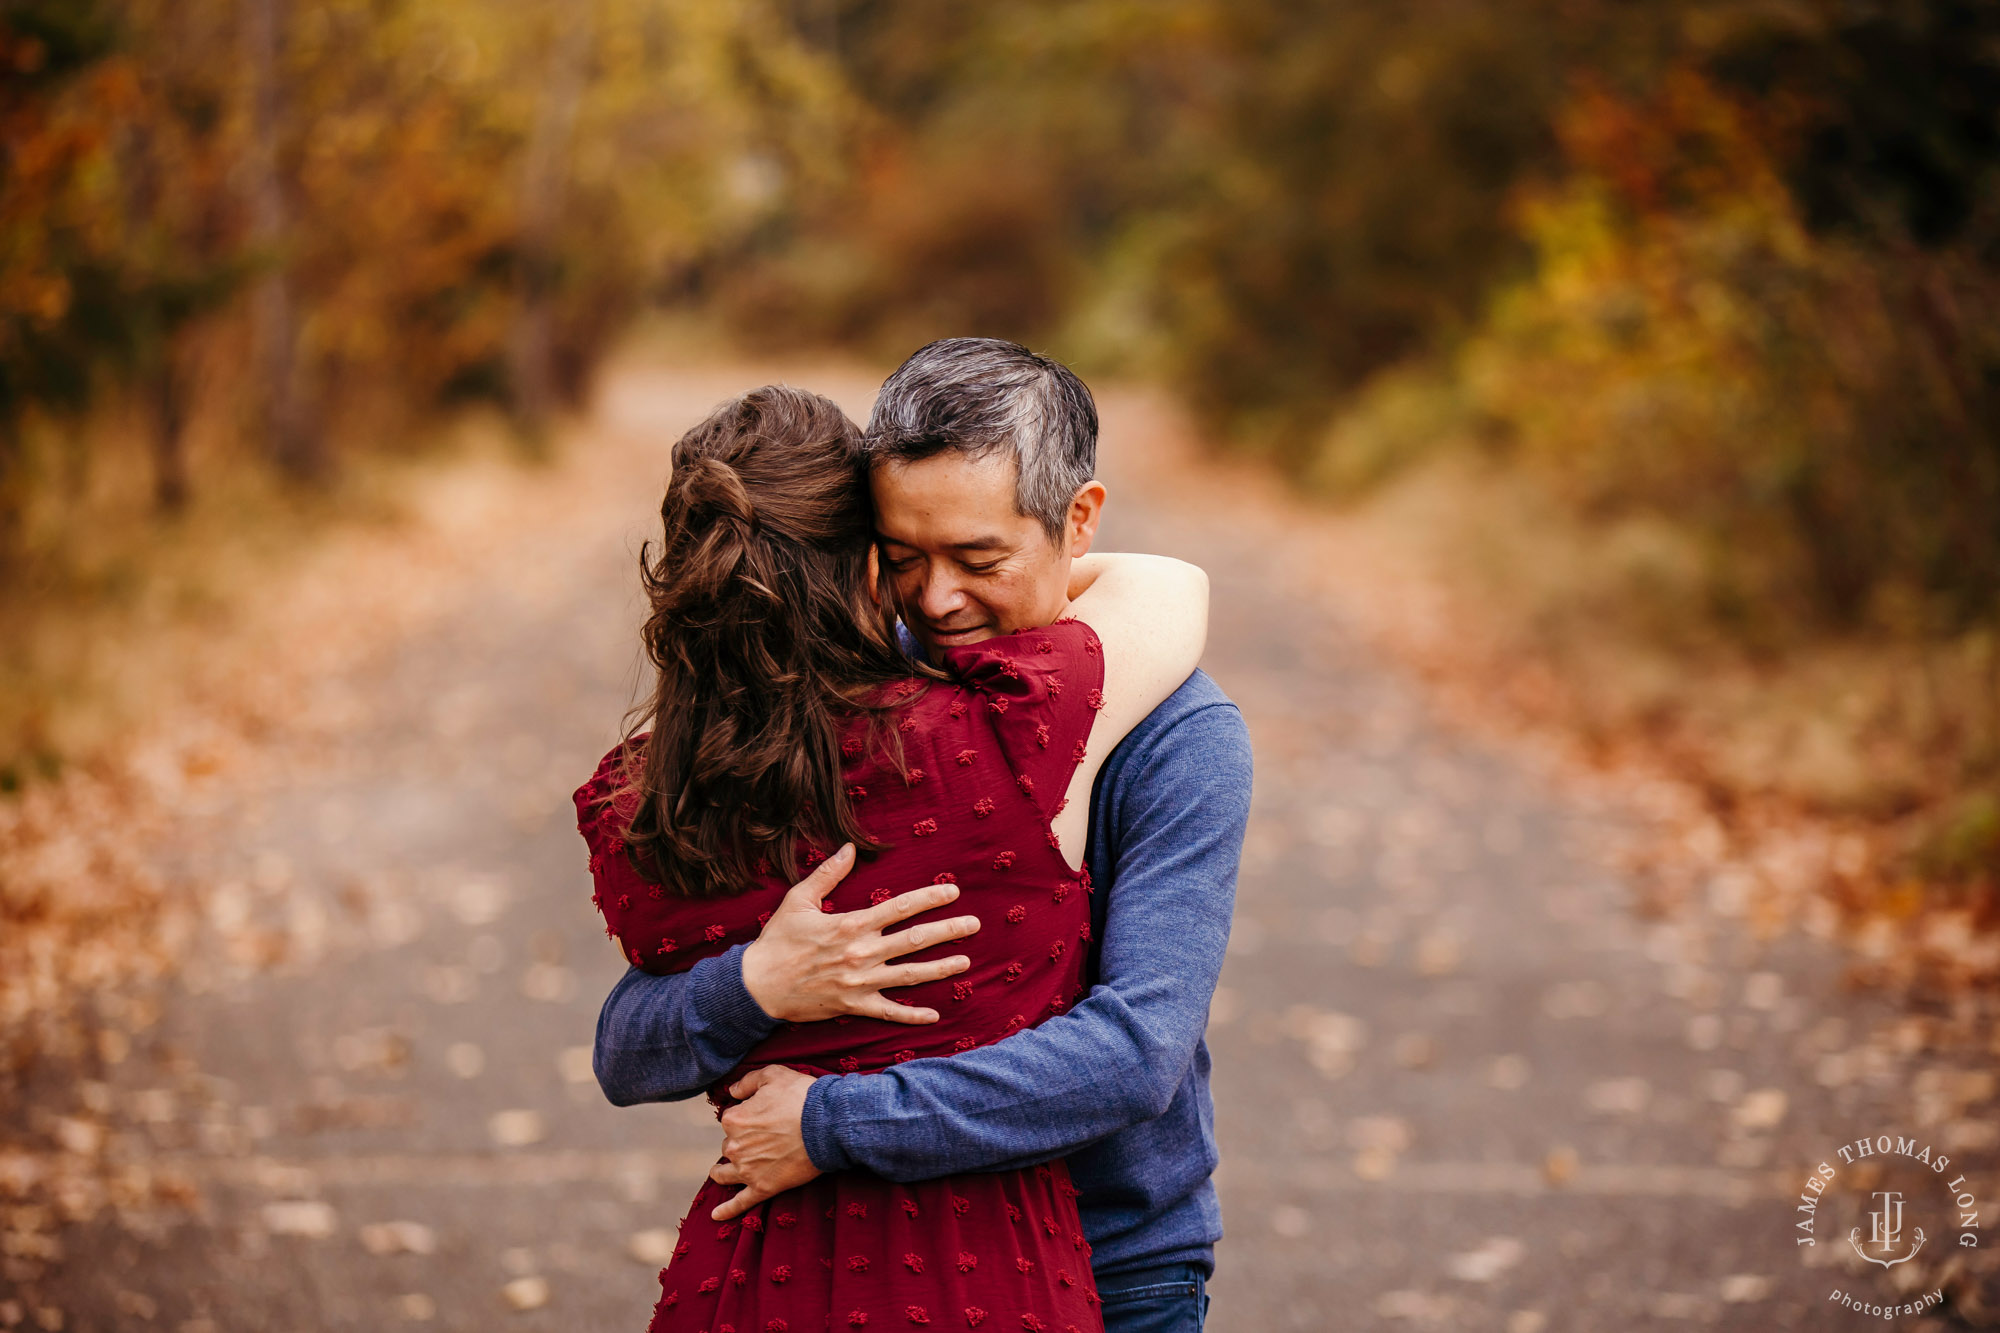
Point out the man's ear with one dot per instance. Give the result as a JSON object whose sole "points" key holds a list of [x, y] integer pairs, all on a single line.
{"points": [[875, 573], [1086, 507]]}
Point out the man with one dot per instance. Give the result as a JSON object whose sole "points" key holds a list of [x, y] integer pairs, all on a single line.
{"points": [[982, 460]]}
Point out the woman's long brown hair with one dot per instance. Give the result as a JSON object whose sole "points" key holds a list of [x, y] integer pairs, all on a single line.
{"points": [[766, 640]]}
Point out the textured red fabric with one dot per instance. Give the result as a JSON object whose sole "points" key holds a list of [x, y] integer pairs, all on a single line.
{"points": [[986, 761]]}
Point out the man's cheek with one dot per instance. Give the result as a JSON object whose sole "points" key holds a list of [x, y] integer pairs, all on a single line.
{"points": [[1014, 601]]}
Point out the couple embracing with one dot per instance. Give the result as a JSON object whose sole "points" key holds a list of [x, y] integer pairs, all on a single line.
{"points": [[923, 852]]}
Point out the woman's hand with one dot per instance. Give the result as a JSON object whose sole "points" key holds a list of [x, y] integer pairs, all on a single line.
{"points": [[809, 964]]}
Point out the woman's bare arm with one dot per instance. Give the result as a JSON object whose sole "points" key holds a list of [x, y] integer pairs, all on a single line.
{"points": [[1151, 613]]}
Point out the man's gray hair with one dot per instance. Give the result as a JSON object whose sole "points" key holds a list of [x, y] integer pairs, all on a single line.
{"points": [[977, 396]]}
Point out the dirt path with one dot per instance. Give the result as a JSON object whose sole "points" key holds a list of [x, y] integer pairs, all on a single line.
{"points": [[1459, 1084]]}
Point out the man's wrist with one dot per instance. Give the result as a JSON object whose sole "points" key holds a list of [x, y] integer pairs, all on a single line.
{"points": [[816, 1125], [717, 991]]}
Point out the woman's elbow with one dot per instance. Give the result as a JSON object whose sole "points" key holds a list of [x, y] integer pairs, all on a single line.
{"points": [[1194, 596]]}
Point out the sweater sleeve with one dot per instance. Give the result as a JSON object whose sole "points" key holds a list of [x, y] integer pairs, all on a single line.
{"points": [[667, 1038], [1117, 1058]]}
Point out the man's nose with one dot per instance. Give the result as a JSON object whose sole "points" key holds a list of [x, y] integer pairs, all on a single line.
{"points": [[940, 595]]}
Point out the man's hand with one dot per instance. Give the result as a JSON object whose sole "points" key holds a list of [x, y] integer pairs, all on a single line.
{"points": [[766, 1147], [808, 964]]}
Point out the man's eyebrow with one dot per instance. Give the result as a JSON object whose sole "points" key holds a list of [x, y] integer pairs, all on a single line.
{"points": [[976, 544]]}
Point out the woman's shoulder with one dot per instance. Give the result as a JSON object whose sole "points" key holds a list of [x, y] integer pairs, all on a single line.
{"points": [[1036, 693], [1013, 664], [607, 795]]}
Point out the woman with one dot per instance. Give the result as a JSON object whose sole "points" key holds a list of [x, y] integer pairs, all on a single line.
{"points": [[786, 722]]}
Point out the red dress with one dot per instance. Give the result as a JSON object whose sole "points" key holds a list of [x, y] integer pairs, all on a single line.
{"points": [[987, 759]]}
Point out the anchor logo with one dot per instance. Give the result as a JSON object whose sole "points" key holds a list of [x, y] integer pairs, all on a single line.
{"points": [[1885, 1231]]}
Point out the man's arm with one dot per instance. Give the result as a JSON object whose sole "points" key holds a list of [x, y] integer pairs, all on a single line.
{"points": [[665, 1038], [1115, 1059]]}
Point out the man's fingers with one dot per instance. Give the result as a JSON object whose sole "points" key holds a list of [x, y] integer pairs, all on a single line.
{"points": [[726, 1173], [928, 934], [906, 905], [744, 1087], [810, 891], [740, 1202], [880, 1006], [915, 974]]}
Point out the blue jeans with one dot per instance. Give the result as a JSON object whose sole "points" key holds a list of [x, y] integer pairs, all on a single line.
{"points": [[1170, 1299]]}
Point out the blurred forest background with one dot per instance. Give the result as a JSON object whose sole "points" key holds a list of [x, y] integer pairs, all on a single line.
{"points": [[1681, 313]]}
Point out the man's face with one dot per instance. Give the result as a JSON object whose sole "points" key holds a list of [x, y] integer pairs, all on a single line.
{"points": [[965, 563]]}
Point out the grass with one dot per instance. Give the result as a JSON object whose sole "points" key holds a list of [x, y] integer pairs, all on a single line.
{"points": [[1877, 751], [111, 604]]}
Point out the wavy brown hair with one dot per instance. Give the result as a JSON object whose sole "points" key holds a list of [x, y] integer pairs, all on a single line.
{"points": [[766, 640]]}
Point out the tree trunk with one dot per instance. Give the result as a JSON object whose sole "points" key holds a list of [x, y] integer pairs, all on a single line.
{"points": [[289, 439], [531, 368], [169, 402]]}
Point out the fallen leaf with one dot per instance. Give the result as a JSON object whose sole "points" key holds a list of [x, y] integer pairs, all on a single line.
{"points": [[1439, 954], [1618, 1096], [464, 1059], [1487, 1262], [82, 1137], [1381, 1132], [550, 983], [1722, 1085], [526, 1293], [1763, 990], [1415, 1305], [1414, 1050], [1972, 1135], [1681, 1305], [1836, 1069], [381, 1238], [1375, 1164], [653, 1248], [1331, 1039], [479, 901], [299, 1217], [1745, 1288], [517, 1128], [137, 1304], [1763, 1109], [378, 1050]]}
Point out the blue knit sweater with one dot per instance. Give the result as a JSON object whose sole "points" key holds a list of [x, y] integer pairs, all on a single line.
{"points": [[1119, 1084]]}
